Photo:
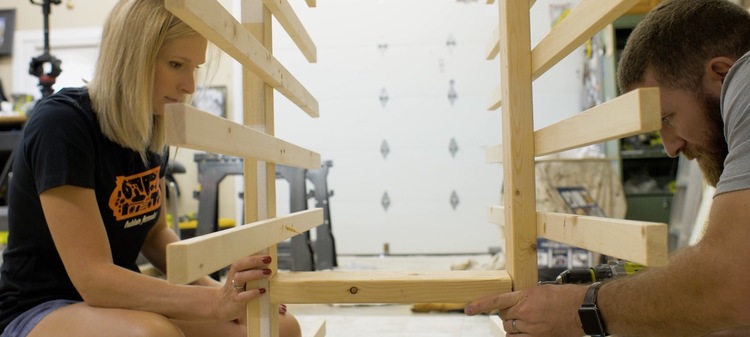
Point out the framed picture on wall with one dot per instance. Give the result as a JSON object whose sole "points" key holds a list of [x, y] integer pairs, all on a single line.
{"points": [[212, 100], [7, 26]]}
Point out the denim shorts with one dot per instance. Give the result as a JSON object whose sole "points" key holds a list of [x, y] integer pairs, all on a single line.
{"points": [[22, 325]]}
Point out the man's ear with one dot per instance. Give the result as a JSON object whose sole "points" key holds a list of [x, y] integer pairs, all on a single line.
{"points": [[716, 70]]}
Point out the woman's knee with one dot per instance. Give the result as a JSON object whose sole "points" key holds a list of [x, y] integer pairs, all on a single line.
{"points": [[82, 320], [288, 326], [154, 325]]}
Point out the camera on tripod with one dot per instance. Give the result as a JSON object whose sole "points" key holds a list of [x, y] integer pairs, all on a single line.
{"points": [[36, 67], [46, 79]]}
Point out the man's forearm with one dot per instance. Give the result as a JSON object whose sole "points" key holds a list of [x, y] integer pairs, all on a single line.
{"points": [[681, 299]]}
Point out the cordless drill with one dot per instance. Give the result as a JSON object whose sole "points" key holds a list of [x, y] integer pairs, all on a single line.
{"points": [[612, 268]]}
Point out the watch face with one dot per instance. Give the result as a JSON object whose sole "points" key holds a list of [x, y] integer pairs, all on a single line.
{"points": [[591, 321]]}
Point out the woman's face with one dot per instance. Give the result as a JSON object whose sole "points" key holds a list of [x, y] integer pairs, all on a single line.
{"points": [[174, 72]]}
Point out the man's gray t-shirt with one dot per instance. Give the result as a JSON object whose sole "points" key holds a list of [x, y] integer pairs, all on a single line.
{"points": [[735, 111]]}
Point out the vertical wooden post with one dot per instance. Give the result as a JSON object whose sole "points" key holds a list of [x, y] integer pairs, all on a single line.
{"points": [[518, 143], [260, 177]]}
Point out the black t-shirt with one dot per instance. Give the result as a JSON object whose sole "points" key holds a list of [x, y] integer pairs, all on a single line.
{"points": [[63, 145]]}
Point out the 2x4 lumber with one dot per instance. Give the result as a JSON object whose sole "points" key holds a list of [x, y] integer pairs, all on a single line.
{"points": [[583, 22], [317, 330], [290, 22], [494, 154], [384, 286], [589, 17], [496, 99], [192, 258], [489, 2], [493, 47], [187, 127], [259, 177], [518, 142], [633, 113], [637, 241], [225, 32]]}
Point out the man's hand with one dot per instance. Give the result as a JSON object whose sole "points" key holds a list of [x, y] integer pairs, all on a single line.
{"points": [[541, 311]]}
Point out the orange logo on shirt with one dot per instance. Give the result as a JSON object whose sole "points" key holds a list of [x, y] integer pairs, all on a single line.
{"points": [[136, 195]]}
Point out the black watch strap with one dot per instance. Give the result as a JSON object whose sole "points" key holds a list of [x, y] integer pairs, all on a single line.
{"points": [[591, 292], [591, 318]]}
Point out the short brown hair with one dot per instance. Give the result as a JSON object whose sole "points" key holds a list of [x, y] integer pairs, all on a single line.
{"points": [[678, 37]]}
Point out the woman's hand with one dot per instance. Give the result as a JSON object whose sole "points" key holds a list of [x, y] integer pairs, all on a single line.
{"points": [[234, 294]]}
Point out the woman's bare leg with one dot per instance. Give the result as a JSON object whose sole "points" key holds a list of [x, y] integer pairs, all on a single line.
{"points": [[288, 327], [81, 320]]}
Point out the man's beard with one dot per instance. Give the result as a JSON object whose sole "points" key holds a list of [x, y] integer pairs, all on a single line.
{"points": [[711, 157]]}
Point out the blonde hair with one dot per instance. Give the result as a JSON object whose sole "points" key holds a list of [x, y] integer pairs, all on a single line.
{"points": [[122, 86]]}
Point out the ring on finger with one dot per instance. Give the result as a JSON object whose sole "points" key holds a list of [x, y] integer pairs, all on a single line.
{"points": [[513, 325], [238, 287]]}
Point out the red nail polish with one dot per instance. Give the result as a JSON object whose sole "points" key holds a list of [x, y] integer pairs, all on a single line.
{"points": [[267, 260], [262, 290], [267, 271]]}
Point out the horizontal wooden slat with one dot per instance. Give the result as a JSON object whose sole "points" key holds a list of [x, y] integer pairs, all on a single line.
{"points": [[494, 154], [495, 101], [583, 22], [311, 3], [221, 28], [187, 127], [636, 112], [290, 22], [318, 330], [644, 6], [493, 46], [638, 241], [589, 17], [190, 259], [489, 2], [383, 286]]}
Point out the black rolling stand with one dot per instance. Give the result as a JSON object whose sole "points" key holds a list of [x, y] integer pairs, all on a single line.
{"points": [[325, 245], [212, 169], [301, 253]]}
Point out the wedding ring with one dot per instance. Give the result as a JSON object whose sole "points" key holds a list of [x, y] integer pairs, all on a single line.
{"points": [[238, 287], [513, 325]]}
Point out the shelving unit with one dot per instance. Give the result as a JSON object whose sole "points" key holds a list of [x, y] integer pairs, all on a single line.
{"points": [[249, 42], [648, 174], [648, 177]]}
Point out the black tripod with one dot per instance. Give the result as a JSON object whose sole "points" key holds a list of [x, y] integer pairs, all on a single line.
{"points": [[36, 68]]}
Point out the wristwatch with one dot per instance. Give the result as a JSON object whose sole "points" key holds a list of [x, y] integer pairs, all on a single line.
{"points": [[589, 313]]}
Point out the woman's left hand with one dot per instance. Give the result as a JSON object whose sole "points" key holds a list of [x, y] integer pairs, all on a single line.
{"points": [[234, 293]]}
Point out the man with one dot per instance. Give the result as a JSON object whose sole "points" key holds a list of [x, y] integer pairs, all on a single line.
{"points": [[696, 52]]}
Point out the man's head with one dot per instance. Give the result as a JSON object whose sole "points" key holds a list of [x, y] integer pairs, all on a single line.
{"points": [[686, 47], [678, 37]]}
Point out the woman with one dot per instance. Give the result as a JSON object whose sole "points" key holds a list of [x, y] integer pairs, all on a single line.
{"points": [[86, 198]]}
